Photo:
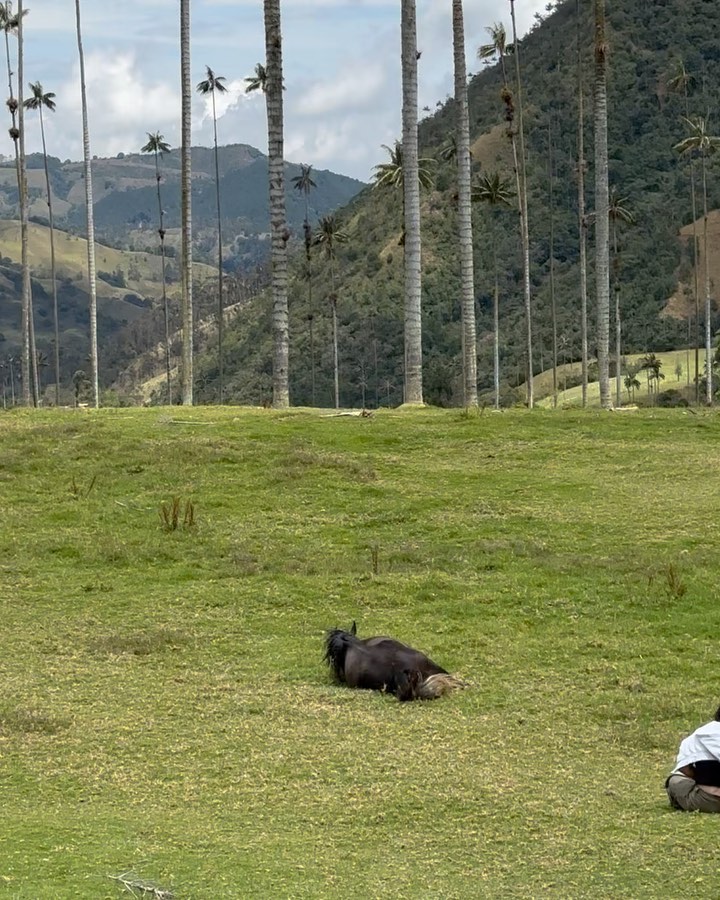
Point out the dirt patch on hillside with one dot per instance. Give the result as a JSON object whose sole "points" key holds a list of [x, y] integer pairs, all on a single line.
{"points": [[682, 302], [493, 149]]}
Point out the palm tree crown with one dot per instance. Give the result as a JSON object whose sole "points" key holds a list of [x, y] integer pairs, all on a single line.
{"points": [[493, 189], [390, 173], [156, 144], [498, 42], [39, 99], [258, 81], [699, 140], [212, 83]]}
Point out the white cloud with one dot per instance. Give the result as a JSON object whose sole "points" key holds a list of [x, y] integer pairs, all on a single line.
{"points": [[342, 71]]}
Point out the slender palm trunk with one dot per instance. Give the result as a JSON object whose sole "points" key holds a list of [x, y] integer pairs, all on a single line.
{"points": [[618, 320], [695, 261], [90, 218], [496, 322], [30, 385], [411, 196], [602, 218], [311, 319], [186, 205], [524, 231], [221, 323], [708, 299], [336, 364], [25, 353], [52, 260], [166, 313], [465, 230], [582, 220], [553, 306], [278, 222]]}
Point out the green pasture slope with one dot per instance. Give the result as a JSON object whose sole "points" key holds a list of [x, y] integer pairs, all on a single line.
{"points": [[165, 711]]}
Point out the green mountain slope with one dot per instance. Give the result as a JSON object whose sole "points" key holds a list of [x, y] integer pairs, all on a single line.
{"points": [[128, 289], [647, 41], [125, 198]]}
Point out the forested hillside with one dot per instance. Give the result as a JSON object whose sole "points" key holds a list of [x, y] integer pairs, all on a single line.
{"points": [[648, 42], [130, 320]]}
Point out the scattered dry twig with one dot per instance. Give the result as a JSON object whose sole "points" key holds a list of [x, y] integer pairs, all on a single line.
{"points": [[132, 883]]}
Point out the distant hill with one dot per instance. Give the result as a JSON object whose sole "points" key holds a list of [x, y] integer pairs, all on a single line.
{"points": [[125, 199], [128, 293], [129, 275]]}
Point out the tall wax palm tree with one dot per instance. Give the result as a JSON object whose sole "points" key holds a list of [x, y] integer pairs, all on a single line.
{"points": [[681, 82], [278, 222], [304, 184], [213, 84], [465, 231], [411, 196], [39, 101], [496, 192], [582, 218], [618, 212], [704, 145], [328, 235], [90, 218], [602, 220], [186, 204], [157, 145], [524, 228], [12, 24], [498, 47]]}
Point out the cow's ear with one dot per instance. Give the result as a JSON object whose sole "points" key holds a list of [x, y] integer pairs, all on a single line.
{"points": [[353, 629]]}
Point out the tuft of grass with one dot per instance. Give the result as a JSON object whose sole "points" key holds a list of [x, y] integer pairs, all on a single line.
{"points": [[177, 514], [138, 643], [21, 720]]}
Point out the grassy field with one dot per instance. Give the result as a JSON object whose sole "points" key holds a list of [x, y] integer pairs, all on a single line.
{"points": [[142, 271], [165, 711]]}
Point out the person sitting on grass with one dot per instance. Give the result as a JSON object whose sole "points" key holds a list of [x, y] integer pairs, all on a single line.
{"points": [[694, 784]]}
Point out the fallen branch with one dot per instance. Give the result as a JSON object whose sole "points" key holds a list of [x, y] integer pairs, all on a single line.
{"points": [[132, 883]]}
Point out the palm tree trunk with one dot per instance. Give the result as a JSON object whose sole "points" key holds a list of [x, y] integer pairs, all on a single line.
{"points": [[496, 322], [30, 384], [523, 216], [618, 322], [90, 219], [465, 230], [695, 261], [582, 220], [186, 205], [708, 299], [336, 367], [411, 196], [602, 218], [56, 323], [278, 222], [166, 314], [221, 324], [553, 307]]}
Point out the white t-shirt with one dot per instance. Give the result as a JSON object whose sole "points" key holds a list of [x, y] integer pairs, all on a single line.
{"points": [[704, 743]]}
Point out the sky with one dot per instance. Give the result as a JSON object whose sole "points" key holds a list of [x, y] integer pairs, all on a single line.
{"points": [[341, 61]]}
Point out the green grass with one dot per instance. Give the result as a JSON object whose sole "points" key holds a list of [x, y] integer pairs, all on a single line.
{"points": [[672, 361], [165, 710], [71, 261]]}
